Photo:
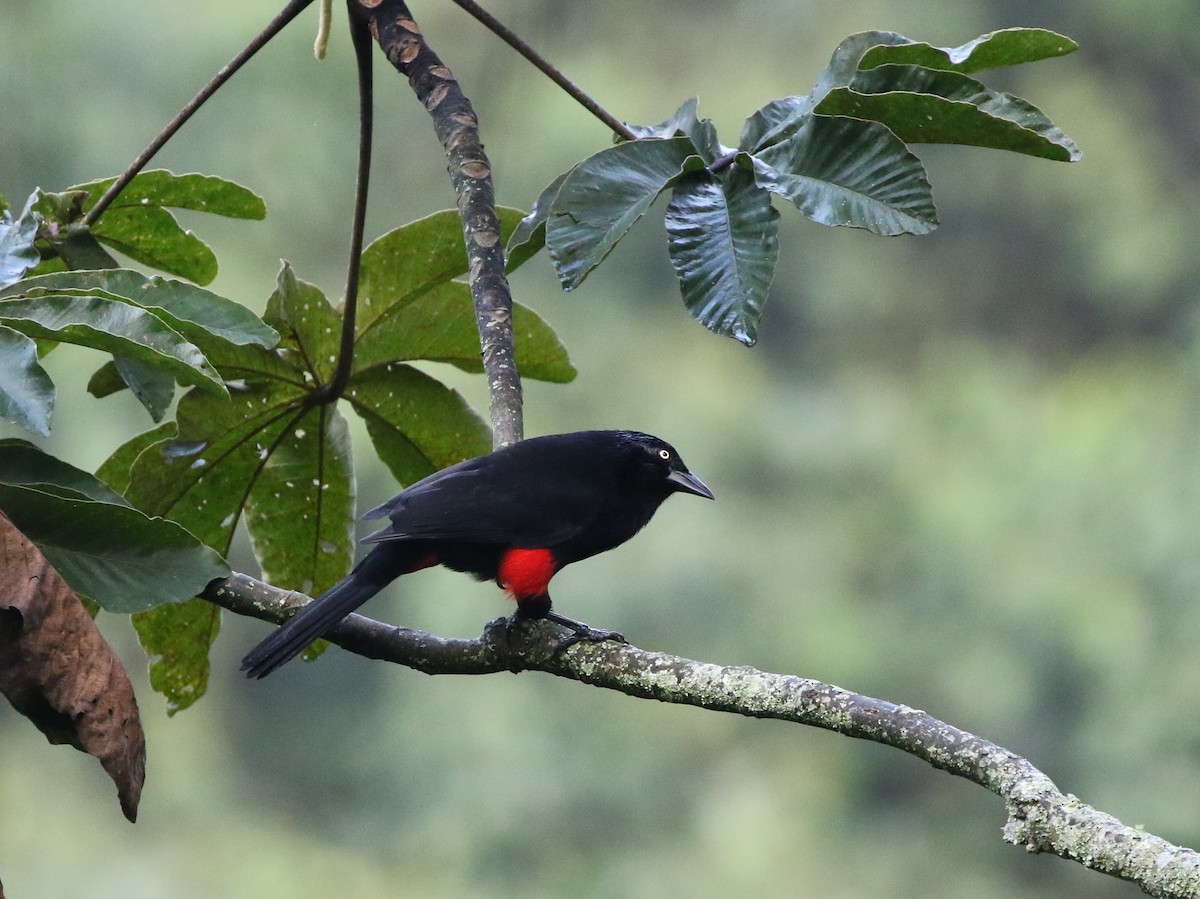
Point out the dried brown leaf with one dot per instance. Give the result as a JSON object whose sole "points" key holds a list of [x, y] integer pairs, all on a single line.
{"points": [[57, 670]]}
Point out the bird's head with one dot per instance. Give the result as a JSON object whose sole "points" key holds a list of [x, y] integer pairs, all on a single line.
{"points": [[658, 461]]}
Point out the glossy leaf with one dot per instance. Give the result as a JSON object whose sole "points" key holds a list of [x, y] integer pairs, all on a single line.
{"points": [[17, 252], [112, 553], [927, 106], [1011, 46], [605, 194], [26, 391], [723, 243], [842, 171], [196, 313], [115, 327], [530, 234]]}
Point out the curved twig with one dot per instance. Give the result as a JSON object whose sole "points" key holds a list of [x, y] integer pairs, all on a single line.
{"points": [[548, 69], [457, 127], [276, 25], [1040, 816]]}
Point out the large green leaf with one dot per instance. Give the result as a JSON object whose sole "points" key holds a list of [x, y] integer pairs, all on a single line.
{"points": [[843, 171], [1009, 47], [23, 463], [198, 314], [115, 327], [440, 326], [927, 106], [202, 193], [114, 554], [17, 252], [417, 424], [300, 512], [26, 391], [722, 238], [138, 224], [410, 308], [605, 194], [400, 266], [530, 235], [151, 235]]}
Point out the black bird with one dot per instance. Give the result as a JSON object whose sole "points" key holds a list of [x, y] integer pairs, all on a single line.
{"points": [[516, 516]]}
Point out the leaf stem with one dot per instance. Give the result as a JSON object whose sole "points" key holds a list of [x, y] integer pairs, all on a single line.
{"points": [[552, 72], [361, 37], [277, 24]]}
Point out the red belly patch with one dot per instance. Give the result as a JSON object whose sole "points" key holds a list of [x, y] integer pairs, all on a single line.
{"points": [[526, 572]]}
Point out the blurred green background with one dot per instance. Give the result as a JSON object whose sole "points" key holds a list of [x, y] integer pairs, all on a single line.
{"points": [[960, 472]]}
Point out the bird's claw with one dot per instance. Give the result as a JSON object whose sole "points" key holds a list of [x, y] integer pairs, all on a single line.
{"points": [[581, 633]]}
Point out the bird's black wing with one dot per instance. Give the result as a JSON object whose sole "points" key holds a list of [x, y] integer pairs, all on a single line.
{"points": [[520, 499]]}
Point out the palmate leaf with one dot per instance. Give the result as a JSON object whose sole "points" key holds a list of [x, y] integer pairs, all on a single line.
{"points": [[26, 391], [605, 195], [113, 326], [139, 225], [927, 106], [410, 306], [722, 238], [844, 171], [107, 551]]}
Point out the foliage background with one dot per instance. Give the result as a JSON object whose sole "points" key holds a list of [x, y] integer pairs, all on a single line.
{"points": [[960, 472]]}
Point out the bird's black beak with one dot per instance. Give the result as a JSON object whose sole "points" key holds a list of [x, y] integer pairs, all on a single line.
{"points": [[686, 482]]}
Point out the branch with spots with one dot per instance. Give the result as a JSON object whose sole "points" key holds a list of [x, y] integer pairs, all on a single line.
{"points": [[1040, 817], [457, 127]]}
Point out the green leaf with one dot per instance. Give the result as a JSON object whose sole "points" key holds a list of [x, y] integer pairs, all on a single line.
{"points": [[774, 122], [196, 313], [927, 106], [203, 193], [115, 327], [26, 391], [78, 250], [686, 123], [1009, 47], [530, 235], [176, 638], [440, 327], [410, 308], [400, 266], [300, 513], [722, 238], [417, 424], [605, 194], [842, 171], [22, 463], [138, 225], [151, 235], [112, 553], [17, 251], [310, 326]]}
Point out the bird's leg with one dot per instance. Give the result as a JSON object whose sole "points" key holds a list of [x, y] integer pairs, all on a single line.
{"points": [[533, 608], [580, 632]]}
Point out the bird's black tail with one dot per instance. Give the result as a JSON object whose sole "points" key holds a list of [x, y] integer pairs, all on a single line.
{"points": [[372, 574]]}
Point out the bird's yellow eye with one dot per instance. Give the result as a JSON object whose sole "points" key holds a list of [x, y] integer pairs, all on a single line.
{"points": [[664, 454]]}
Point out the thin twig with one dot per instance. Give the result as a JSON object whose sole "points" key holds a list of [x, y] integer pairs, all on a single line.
{"points": [[543, 65], [289, 12], [457, 127], [1041, 818]]}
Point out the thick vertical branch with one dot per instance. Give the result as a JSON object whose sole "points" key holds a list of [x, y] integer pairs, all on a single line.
{"points": [[457, 127]]}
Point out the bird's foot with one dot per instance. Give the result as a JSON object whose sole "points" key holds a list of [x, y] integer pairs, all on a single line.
{"points": [[581, 633]]}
